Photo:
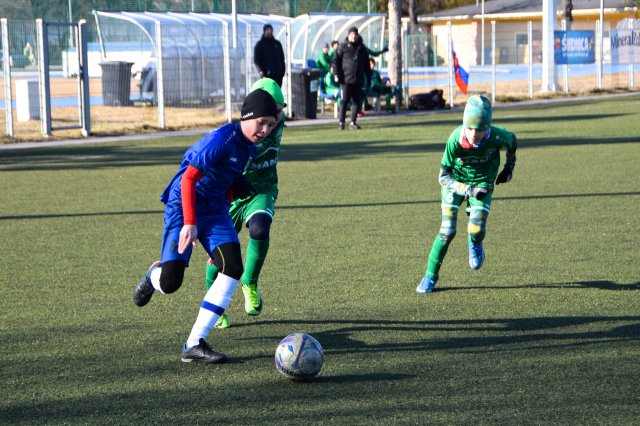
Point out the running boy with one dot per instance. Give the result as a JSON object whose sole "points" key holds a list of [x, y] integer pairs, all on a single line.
{"points": [[257, 209], [197, 208], [468, 169]]}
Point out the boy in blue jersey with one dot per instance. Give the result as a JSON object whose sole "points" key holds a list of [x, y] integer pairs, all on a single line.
{"points": [[197, 208]]}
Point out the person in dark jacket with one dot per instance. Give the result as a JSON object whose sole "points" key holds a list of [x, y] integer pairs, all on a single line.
{"points": [[351, 64], [268, 56]]}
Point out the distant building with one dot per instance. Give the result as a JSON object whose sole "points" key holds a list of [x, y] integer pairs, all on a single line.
{"points": [[512, 18]]}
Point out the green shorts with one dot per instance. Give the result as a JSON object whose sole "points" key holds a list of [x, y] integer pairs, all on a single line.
{"points": [[242, 210], [452, 199]]}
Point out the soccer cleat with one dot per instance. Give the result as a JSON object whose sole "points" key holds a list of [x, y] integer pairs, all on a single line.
{"points": [[252, 299], [341, 126], [361, 114], [426, 285], [354, 126], [476, 255], [223, 322], [144, 289], [202, 353]]}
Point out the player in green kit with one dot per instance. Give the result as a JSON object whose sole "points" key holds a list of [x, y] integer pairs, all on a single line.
{"points": [[257, 210], [468, 170]]}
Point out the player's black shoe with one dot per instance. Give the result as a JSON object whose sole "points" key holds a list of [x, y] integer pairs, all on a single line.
{"points": [[144, 289], [354, 126], [202, 353], [341, 126]]}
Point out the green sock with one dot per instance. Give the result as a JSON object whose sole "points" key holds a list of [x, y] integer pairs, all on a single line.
{"points": [[212, 273], [256, 253], [436, 257]]}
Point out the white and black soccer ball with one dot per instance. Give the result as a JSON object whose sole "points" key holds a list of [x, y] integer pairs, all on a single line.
{"points": [[299, 357]]}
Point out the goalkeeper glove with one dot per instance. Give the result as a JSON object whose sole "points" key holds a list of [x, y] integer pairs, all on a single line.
{"points": [[478, 192], [504, 176]]}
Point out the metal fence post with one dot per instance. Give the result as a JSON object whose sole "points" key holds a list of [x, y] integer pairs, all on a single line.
{"points": [[601, 44], [493, 61], [160, 74], [632, 63], [247, 59], [43, 77], [6, 65], [530, 42], [83, 79], [600, 55], [227, 73], [450, 63], [565, 67], [288, 65]]}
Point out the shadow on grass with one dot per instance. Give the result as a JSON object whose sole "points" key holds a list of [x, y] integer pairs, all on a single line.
{"points": [[600, 285], [117, 385], [357, 145], [499, 121], [481, 335], [319, 206]]}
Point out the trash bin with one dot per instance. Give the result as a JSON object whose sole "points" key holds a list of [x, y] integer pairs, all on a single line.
{"points": [[304, 92], [116, 83]]}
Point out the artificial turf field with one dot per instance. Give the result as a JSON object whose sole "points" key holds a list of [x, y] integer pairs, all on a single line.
{"points": [[547, 332]]}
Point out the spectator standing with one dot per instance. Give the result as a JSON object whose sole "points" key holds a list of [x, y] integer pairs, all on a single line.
{"points": [[268, 56], [351, 64]]}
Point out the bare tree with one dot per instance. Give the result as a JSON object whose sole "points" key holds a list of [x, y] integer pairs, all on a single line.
{"points": [[413, 16], [395, 41]]}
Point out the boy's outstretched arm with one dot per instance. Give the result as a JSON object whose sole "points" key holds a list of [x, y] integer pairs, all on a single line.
{"points": [[510, 163]]}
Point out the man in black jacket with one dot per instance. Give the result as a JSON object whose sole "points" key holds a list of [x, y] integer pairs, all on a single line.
{"points": [[351, 63], [269, 56]]}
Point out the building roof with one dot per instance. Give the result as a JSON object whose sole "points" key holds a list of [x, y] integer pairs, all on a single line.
{"points": [[499, 7]]}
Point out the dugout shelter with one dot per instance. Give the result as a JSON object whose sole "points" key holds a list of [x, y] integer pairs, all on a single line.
{"points": [[197, 59]]}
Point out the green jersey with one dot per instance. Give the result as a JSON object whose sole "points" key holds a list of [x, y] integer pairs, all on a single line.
{"points": [[324, 62], [462, 168], [261, 171]]}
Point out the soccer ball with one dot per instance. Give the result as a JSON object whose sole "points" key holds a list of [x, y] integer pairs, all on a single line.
{"points": [[299, 357]]}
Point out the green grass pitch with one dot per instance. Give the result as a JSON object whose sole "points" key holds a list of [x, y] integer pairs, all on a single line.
{"points": [[547, 332]]}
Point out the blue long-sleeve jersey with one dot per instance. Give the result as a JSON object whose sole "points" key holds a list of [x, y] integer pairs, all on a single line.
{"points": [[221, 156]]}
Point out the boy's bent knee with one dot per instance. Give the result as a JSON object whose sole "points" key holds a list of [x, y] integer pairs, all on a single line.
{"points": [[228, 259], [259, 226], [171, 276]]}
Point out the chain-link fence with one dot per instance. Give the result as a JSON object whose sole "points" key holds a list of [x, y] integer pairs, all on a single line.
{"points": [[512, 64], [75, 10], [201, 78]]}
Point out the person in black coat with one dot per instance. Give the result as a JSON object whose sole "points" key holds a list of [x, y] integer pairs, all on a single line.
{"points": [[351, 64], [269, 56]]}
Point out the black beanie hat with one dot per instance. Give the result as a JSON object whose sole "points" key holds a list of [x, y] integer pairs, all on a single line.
{"points": [[266, 26], [258, 103], [352, 30]]}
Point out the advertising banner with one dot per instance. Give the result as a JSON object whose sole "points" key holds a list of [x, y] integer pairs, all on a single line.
{"points": [[625, 46], [574, 47]]}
